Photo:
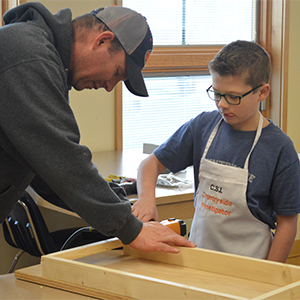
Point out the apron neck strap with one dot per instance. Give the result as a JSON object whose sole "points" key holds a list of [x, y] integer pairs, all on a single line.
{"points": [[257, 136]]}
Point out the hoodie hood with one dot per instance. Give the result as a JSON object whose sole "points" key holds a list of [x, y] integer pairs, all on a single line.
{"points": [[58, 25]]}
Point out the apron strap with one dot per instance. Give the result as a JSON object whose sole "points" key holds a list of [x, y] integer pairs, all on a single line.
{"points": [[257, 136], [211, 138]]}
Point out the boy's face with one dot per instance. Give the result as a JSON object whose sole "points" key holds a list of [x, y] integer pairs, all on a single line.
{"points": [[244, 116]]}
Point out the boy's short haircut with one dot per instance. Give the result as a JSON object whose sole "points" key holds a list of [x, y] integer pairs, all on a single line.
{"points": [[243, 58]]}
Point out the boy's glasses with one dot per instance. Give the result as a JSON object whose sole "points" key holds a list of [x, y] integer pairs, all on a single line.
{"points": [[231, 99]]}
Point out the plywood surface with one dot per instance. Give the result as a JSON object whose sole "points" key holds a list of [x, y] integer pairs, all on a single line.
{"points": [[115, 259]]}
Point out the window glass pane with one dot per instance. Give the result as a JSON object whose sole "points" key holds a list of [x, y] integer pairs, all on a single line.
{"points": [[172, 101], [198, 22], [219, 21]]}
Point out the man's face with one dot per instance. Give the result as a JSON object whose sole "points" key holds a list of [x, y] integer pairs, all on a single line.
{"points": [[97, 68]]}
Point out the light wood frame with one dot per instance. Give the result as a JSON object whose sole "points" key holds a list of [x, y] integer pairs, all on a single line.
{"points": [[98, 271], [272, 35]]}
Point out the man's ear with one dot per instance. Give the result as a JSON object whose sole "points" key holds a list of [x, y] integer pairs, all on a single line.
{"points": [[103, 37], [264, 92]]}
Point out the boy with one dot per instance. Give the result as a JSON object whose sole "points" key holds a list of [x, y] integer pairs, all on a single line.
{"points": [[246, 169]]}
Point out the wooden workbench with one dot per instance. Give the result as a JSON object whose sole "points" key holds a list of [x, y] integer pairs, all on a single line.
{"points": [[14, 289]]}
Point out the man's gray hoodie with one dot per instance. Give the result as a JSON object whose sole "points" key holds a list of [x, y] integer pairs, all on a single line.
{"points": [[39, 136]]}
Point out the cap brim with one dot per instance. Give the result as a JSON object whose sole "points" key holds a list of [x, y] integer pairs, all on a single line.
{"points": [[135, 82]]}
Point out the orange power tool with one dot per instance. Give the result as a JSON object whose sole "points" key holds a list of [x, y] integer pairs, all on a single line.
{"points": [[176, 225]]}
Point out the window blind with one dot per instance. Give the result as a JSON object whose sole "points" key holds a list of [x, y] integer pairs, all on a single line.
{"points": [[172, 101], [198, 22]]}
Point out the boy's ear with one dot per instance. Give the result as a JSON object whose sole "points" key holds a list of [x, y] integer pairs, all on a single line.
{"points": [[103, 37], [264, 92]]}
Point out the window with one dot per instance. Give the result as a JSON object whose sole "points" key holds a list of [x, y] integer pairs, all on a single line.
{"points": [[198, 22], [174, 99], [187, 35]]}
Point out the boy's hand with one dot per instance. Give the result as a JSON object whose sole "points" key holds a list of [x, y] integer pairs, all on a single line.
{"points": [[145, 210], [156, 237]]}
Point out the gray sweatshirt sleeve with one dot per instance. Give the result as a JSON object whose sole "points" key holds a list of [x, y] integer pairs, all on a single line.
{"points": [[38, 122]]}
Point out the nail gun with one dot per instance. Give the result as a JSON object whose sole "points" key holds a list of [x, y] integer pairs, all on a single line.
{"points": [[176, 225]]}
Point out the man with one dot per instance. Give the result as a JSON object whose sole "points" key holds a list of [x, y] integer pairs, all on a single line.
{"points": [[41, 57]]}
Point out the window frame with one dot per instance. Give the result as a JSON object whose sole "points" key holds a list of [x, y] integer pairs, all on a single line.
{"points": [[272, 34]]}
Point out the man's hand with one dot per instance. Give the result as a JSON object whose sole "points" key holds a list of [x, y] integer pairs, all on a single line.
{"points": [[156, 237]]}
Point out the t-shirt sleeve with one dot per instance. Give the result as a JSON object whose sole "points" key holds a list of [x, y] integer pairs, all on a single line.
{"points": [[285, 188], [176, 153]]}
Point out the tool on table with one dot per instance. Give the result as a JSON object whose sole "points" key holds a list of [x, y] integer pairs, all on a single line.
{"points": [[176, 225], [114, 178], [127, 183], [129, 186]]}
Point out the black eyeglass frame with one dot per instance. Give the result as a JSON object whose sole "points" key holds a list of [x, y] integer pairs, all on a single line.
{"points": [[224, 95]]}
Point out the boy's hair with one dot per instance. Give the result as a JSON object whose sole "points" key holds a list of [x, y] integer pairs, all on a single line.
{"points": [[88, 22], [243, 58]]}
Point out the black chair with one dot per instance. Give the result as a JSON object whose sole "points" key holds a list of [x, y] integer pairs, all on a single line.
{"points": [[25, 229]]}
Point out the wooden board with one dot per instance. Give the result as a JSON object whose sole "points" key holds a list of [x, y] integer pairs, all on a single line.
{"points": [[33, 274], [99, 271]]}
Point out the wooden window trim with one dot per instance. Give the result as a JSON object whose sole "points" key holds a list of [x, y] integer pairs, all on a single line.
{"points": [[180, 59], [274, 37]]}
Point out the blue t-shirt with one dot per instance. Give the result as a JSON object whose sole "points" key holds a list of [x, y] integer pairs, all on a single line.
{"points": [[274, 170]]}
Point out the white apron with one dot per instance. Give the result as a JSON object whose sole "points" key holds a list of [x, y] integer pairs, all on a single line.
{"points": [[222, 219]]}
